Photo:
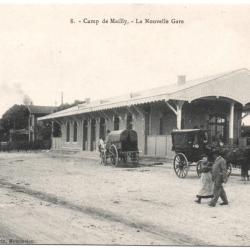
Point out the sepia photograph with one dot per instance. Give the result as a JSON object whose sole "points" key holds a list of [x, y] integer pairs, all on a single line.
{"points": [[125, 124]]}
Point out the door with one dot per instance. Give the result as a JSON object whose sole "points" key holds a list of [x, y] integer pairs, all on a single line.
{"points": [[93, 135], [85, 135], [217, 129]]}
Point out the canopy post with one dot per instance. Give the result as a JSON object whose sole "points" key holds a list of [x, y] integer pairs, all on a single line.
{"points": [[52, 129], [179, 105], [89, 134], [177, 111], [171, 107], [231, 123], [97, 131]]}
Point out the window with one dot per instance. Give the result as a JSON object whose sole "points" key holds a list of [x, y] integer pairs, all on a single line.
{"points": [[75, 132], [116, 123], [67, 132], [217, 128], [129, 121]]}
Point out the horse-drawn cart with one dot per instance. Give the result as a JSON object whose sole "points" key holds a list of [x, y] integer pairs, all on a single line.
{"points": [[121, 145], [189, 146]]}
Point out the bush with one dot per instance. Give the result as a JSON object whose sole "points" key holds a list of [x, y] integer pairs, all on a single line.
{"points": [[25, 145]]}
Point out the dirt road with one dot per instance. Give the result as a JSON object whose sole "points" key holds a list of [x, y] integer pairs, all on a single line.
{"points": [[47, 199]]}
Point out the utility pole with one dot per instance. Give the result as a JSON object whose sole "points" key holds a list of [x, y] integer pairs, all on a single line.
{"points": [[62, 98]]}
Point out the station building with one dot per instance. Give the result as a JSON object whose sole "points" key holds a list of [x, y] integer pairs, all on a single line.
{"points": [[215, 103]]}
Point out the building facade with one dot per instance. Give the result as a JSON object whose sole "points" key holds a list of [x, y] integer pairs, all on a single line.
{"points": [[34, 113], [213, 103]]}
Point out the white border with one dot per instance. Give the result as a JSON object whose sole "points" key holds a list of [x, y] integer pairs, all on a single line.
{"points": [[44, 2]]}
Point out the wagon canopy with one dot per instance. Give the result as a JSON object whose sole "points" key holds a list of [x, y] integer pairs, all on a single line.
{"points": [[122, 135], [181, 138]]}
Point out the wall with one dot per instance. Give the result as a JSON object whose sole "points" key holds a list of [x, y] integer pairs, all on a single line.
{"points": [[195, 114], [157, 111], [138, 126], [71, 144]]}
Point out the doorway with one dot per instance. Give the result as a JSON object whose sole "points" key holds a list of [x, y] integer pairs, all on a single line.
{"points": [[85, 135], [217, 129], [102, 128], [93, 135]]}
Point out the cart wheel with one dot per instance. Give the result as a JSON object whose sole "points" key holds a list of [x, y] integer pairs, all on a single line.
{"points": [[198, 168], [180, 165], [103, 158], [113, 155], [229, 168]]}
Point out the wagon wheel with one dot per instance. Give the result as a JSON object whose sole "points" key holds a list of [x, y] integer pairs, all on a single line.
{"points": [[229, 168], [180, 165], [103, 158], [198, 168], [113, 155]]}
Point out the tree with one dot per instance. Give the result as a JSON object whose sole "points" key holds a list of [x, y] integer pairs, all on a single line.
{"points": [[67, 105], [14, 118], [43, 130]]}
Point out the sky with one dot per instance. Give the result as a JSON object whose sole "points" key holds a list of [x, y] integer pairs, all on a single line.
{"points": [[43, 54]]}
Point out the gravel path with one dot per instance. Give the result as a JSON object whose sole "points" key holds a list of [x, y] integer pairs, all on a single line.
{"points": [[49, 199]]}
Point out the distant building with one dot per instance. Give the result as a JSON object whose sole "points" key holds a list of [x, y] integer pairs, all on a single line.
{"points": [[35, 112], [214, 103], [29, 132]]}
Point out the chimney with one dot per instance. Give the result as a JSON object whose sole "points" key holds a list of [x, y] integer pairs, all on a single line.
{"points": [[87, 100], [181, 79]]}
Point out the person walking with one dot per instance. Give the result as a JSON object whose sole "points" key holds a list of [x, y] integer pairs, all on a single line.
{"points": [[245, 163], [219, 176], [244, 171], [207, 184]]}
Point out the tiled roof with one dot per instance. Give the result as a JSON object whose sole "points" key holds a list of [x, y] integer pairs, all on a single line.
{"points": [[233, 84]]}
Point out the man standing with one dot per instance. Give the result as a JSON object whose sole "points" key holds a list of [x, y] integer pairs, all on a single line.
{"points": [[219, 176]]}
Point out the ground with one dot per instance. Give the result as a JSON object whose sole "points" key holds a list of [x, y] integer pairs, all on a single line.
{"points": [[48, 198]]}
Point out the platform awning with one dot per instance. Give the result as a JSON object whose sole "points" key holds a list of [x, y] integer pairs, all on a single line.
{"points": [[234, 85]]}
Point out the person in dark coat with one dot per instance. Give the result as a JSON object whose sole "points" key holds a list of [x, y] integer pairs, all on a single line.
{"points": [[245, 165], [244, 171], [219, 176]]}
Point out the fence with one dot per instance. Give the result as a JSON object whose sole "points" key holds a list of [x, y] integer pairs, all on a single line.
{"points": [[160, 145]]}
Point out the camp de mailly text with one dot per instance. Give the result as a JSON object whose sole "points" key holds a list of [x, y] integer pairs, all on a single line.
{"points": [[125, 21]]}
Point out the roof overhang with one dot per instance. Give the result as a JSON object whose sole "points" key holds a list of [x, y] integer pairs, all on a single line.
{"points": [[234, 85]]}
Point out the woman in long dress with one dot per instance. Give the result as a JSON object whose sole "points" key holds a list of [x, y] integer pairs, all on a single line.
{"points": [[207, 184]]}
